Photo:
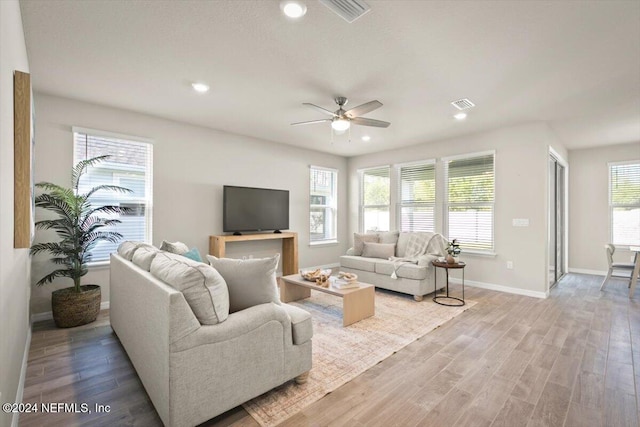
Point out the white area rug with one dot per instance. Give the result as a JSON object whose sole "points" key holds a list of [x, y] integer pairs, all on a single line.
{"points": [[342, 353]]}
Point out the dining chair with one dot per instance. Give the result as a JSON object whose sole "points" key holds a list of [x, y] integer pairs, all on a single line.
{"points": [[610, 249]]}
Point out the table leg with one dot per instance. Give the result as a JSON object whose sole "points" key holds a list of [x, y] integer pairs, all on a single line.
{"points": [[447, 282], [634, 277], [292, 292], [358, 305]]}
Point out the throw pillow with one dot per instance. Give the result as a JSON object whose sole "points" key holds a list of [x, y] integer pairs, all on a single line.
{"points": [[193, 254], [250, 281], [417, 245], [388, 237], [128, 248], [144, 255], [378, 250], [359, 240], [203, 287], [174, 247]]}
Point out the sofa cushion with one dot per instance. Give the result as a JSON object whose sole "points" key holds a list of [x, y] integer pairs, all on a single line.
{"points": [[203, 287], [358, 262], [388, 237], [301, 325], [405, 270], [144, 255], [174, 247], [250, 281], [128, 248], [401, 246], [359, 239], [378, 250]]}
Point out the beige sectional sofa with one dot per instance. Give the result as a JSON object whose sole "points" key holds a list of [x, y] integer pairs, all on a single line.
{"points": [[193, 371], [375, 257]]}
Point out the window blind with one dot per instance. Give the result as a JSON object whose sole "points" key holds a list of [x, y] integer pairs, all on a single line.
{"points": [[624, 203], [323, 204], [470, 191], [129, 166], [376, 187], [417, 190]]}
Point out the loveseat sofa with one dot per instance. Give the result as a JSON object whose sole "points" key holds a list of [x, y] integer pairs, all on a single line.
{"points": [[194, 371], [398, 261]]}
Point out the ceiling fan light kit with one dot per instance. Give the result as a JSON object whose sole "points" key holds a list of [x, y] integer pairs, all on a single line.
{"points": [[341, 120], [340, 125]]}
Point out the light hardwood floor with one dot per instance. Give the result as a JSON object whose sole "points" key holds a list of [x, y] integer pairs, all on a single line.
{"points": [[570, 360]]}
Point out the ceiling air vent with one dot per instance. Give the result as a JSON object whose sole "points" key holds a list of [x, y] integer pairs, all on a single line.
{"points": [[463, 104], [349, 10]]}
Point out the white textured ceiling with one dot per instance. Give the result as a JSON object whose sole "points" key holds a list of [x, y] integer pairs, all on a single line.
{"points": [[574, 64]]}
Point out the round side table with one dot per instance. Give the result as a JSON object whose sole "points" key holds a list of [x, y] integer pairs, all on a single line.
{"points": [[458, 302]]}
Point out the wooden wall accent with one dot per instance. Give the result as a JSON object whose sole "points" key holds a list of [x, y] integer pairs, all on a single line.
{"points": [[22, 160]]}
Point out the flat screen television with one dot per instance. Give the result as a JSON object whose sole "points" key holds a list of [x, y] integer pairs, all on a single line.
{"points": [[254, 209]]}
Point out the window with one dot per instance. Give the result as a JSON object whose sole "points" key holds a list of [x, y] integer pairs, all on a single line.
{"points": [[417, 190], [323, 205], [375, 199], [624, 202], [129, 166], [470, 199]]}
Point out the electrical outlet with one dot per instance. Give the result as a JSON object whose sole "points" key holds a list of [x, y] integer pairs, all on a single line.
{"points": [[509, 265]]}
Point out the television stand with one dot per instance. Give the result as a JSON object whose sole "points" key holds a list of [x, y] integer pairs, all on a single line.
{"points": [[277, 232], [237, 233], [217, 247]]}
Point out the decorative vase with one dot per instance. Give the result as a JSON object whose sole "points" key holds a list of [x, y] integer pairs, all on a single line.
{"points": [[450, 259], [75, 309]]}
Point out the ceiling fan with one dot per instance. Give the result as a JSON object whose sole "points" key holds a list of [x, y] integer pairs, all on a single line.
{"points": [[341, 120]]}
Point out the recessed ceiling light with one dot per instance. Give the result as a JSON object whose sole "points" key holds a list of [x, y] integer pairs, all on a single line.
{"points": [[460, 116], [366, 138], [200, 87], [293, 9]]}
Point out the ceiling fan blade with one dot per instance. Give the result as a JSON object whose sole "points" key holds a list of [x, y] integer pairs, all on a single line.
{"points": [[325, 111], [363, 109], [310, 122], [370, 122]]}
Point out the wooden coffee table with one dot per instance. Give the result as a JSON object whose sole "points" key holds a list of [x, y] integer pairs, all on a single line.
{"points": [[357, 303]]}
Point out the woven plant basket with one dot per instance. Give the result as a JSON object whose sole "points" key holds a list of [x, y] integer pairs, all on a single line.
{"points": [[75, 309]]}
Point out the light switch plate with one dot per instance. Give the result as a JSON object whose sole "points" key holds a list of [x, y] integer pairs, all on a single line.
{"points": [[520, 222]]}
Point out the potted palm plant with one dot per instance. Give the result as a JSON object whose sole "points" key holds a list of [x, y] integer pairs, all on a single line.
{"points": [[79, 227]]}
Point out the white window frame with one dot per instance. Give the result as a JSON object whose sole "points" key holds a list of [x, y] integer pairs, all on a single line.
{"points": [[362, 206], [332, 207], [400, 203], [148, 200], [610, 165], [445, 212]]}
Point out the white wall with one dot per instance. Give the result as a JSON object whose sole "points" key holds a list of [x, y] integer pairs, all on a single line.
{"points": [[589, 205], [190, 166], [14, 263], [521, 192]]}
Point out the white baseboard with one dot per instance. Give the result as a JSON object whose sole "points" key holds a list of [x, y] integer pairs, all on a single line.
{"points": [[23, 373], [501, 288], [585, 271], [47, 315]]}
